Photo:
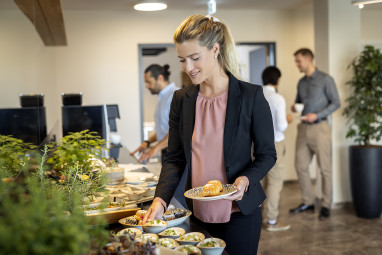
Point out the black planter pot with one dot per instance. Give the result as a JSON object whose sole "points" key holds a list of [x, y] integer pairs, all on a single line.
{"points": [[366, 180]]}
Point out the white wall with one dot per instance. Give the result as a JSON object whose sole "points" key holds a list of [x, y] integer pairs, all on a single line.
{"points": [[26, 66]]}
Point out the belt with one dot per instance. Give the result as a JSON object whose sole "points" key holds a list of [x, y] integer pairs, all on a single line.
{"points": [[316, 122]]}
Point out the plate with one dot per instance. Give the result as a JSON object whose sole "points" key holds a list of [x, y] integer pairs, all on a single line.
{"points": [[196, 193], [171, 223]]}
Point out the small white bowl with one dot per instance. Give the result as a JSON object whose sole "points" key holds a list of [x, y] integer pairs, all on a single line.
{"points": [[168, 242], [178, 232], [135, 195], [182, 249], [126, 231], [191, 238], [212, 250], [148, 237], [155, 226], [149, 192]]}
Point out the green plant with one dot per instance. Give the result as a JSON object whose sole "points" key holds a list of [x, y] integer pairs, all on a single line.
{"points": [[77, 162], [77, 149], [34, 218], [14, 154], [364, 109]]}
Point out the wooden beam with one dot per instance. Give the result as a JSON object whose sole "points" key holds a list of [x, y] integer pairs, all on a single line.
{"points": [[47, 18]]}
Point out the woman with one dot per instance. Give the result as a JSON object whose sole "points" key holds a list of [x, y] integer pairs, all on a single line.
{"points": [[213, 127]]}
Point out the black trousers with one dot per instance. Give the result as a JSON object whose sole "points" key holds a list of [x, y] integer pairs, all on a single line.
{"points": [[241, 233]]}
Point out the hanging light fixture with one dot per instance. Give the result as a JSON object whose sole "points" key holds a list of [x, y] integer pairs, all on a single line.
{"points": [[361, 3], [154, 6]]}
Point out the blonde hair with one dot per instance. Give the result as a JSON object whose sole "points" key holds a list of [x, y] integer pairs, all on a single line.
{"points": [[208, 31]]}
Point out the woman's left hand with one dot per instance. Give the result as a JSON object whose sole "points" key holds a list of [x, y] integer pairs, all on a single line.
{"points": [[241, 184]]}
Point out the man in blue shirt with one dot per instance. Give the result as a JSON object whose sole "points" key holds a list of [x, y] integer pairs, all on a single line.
{"points": [[157, 81]]}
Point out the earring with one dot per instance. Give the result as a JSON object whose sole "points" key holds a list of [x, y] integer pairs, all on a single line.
{"points": [[216, 56]]}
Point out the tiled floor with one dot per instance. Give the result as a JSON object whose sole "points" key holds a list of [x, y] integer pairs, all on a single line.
{"points": [[342, 234]]}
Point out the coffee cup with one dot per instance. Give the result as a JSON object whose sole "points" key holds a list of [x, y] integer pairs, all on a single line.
{"points": [[298, 107]]}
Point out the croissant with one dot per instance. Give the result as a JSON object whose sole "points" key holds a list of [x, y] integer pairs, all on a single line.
{"points": [[210, 190], [217, 183]]}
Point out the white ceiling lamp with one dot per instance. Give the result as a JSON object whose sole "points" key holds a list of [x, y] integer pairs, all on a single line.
{"points": [[211, 9], [361, 3], [149, 7]]}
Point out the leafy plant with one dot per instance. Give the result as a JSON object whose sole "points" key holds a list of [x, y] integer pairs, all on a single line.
{"points": [[364, 110], [77, 149], [14, 154], [34, 218], [76, 162]]}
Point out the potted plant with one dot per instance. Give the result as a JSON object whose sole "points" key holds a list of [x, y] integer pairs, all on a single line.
{"points": [[364, 113]]}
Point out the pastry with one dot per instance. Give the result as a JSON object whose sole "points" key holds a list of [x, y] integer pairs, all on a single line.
{"points": [[139, 214], [210, 190], [216, 182]]}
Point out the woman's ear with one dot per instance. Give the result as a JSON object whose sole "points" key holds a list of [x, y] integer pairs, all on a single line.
{"points": [[216, 49]]}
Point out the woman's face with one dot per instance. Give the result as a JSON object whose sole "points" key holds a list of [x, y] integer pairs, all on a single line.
{"points": [[197, 61]]}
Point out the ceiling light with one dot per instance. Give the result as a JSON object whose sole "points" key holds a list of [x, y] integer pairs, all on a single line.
{"points": [[150, 7], [361, 3]]}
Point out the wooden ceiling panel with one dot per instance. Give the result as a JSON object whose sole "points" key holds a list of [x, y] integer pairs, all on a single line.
{"points": [[47, 17]]}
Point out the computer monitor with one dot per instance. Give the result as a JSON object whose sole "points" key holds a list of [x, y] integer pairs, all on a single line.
{"points": [[27, 123], [112, 114], [79, 118]]}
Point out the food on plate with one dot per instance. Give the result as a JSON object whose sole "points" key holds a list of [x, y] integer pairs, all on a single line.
{"points": [[156, 223], [168, 242], [210, 190], [210, 243], [173, 232], [131, 220], [148, 237], [217, 183], [139, 214], [193, 236], [130, 231], [174, 213], [188, 249]]}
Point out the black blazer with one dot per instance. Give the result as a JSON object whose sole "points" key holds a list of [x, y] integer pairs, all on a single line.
{"points": [[248, 122]]}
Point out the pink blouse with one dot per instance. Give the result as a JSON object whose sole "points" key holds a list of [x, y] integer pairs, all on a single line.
{"points": [[208, 155]]}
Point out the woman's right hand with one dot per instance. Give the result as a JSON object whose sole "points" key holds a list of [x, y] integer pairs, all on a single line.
{"points": [[155, 211]]}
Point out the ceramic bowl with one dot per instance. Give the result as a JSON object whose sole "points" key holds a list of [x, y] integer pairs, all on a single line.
{"points": [[135, 195], [168, 242], [149, 192], [191, 238], [133, 231], [188, 249], [155, 226], [148, 237], [173, 233], [128, 222], [211, 242]]}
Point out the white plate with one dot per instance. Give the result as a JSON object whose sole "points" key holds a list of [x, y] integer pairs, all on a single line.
{"points": [[176, 222], [171, 223], [196, 193]]}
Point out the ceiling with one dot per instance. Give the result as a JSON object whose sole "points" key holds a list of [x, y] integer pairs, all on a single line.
{"points": [[176, 4], [127, 5]]}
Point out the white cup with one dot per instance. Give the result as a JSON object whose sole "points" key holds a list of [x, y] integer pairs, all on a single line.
{"points": [[298, 107], [115, 138]]}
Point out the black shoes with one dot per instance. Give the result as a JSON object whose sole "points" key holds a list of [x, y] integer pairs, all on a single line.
{"points": [[324, 213], [302, 208]]}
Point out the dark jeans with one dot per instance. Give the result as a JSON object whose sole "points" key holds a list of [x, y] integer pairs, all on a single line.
{"points": [[241, 233]]}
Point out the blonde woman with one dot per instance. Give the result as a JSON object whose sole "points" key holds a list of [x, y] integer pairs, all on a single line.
{"points": [[213, 127]]}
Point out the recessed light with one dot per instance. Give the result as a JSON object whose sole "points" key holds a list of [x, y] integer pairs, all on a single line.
{"points": [[150, 7]]}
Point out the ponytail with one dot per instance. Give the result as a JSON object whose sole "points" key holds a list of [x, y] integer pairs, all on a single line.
{"points": [[208, 31]]}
